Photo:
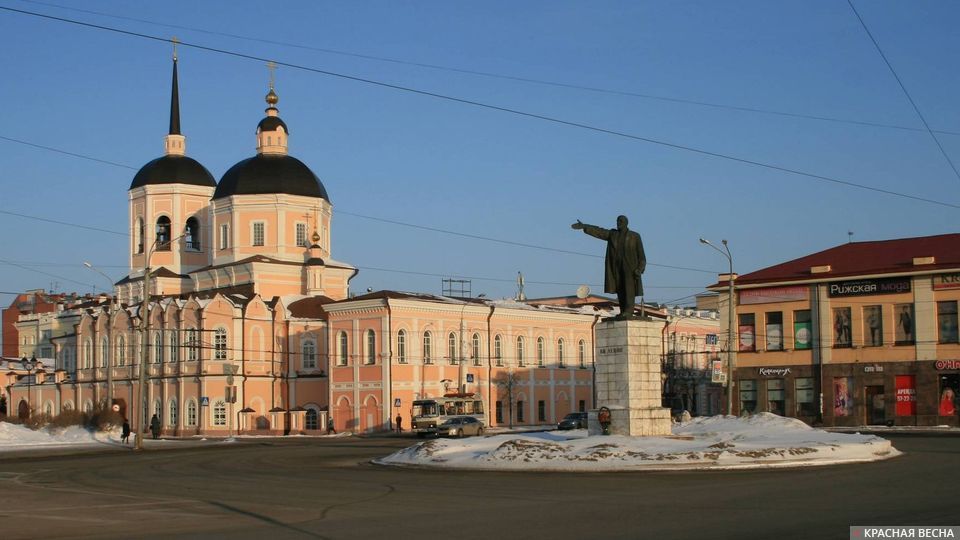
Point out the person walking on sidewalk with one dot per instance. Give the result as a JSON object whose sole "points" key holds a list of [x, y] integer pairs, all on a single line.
{"points": [[399, 424]]}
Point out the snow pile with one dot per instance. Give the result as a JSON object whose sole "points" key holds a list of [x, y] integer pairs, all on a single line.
{"points": [[17, 437], [762, 440]]}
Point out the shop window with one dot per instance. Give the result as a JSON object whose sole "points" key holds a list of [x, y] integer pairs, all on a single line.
{"points": [[806, 405], [841, 327], [949, 390], [947, 321], [903, 319], [802, 330], [872, 326], [774, 331], [776, 399], [748, 396], [843, 396], [748, 333]]}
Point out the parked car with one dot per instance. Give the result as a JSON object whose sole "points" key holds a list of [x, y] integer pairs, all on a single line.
{"points": [[574, 420], [460, 426]]}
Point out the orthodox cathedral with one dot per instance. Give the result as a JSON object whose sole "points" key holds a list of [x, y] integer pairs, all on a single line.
{"points": [[250, 326]]}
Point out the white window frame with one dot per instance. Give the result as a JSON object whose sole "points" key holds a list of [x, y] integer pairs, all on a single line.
{"points": [[218, 413], [300, 234], [401, 346], [262, 226], [498, 349], [427, 347], [192, 413], [173, 412], [220, 343], [309, 354], [342, 348], [224, 236], [371, 346]]}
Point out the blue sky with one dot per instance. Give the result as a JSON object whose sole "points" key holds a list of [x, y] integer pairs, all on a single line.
{"points": [[410, 158]]}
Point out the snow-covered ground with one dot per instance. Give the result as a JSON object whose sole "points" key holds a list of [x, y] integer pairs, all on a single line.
{"points": [[16, 437], [717, 442]]}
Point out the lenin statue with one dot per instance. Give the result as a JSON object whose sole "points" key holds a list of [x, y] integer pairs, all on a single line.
{"points": [[625, 262]]}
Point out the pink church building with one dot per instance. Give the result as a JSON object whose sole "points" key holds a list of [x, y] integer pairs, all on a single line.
{"points": [[253, 330]]}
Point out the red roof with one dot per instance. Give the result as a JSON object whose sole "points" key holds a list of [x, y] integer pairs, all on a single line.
{"points": [[864, 258]]}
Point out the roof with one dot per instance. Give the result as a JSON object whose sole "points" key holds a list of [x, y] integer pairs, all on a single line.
{"points": [[162, 272], [271, 123], [173, 169], [308, 308], [863, 258], [270, 173]]}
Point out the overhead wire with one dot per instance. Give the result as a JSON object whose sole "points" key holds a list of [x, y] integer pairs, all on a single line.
{"points": [[492, 75], [559, 121]]}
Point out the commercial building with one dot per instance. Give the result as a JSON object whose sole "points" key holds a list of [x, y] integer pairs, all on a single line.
{"points": [[862, 333]]}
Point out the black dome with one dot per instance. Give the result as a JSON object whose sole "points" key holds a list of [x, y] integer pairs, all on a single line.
{"points": [[269, 173], [270, 123], [173, 170]]}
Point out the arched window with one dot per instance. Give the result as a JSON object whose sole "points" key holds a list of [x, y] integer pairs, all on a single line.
{"points": [[158, 410], [342, 349], [173, 413], [163, 233], [220, 413], [88, 406], [174, 346], [582, 353], [139, 235], [452, 347], [192, 234], [104, 352], [121, 351], [371, 347], [476, 349], [520, 351], [498, 349], [309, 350], [88, 354], [427, 348], [560, 352], [192, 413], [402, 346], [540, 351], [192, 341], [220, 344], [312, 419], [158, 348]]}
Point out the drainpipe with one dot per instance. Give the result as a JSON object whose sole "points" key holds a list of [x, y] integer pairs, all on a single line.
{"points": [[489, 365], [388, 368]]}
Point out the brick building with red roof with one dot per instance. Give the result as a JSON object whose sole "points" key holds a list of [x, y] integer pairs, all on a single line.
{"points": [[861, 333]]}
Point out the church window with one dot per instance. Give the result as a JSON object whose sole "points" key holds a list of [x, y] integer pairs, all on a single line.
{"points": [[193, 234], [342, 349], [121, 351], [174, 346], [302, 234], [224, 236], [220, 413], [258, 234], [220, 344], [158, 348], [139, 235], [163, 233], [309, 355], [371, 347], [192, 413]]}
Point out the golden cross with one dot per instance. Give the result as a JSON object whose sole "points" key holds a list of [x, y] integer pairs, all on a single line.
{"points": [[271, 66], [174, 40]]}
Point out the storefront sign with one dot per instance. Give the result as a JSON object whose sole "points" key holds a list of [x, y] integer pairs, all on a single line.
{"points": [[864, 287], [906, 395], [770, 295], [774, 372], [941, 365], [873, 369], [717, 374], [946, 281]]}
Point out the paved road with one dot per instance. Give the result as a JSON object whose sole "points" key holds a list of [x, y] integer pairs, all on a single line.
{"points": [[306, 488]]}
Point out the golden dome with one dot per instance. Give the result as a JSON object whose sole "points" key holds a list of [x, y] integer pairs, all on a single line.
{"points": [[272, 98]]}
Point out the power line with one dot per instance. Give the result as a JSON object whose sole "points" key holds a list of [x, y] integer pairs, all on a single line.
{"points": [[45, 273], [498, 75], [508, 110], [904, 88]]}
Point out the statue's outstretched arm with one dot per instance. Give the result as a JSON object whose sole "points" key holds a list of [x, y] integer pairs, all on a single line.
{"points": [[592, 230]]}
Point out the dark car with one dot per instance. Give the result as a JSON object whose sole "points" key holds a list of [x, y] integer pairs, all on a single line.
{"points": [[574, 420], [460, 426]]}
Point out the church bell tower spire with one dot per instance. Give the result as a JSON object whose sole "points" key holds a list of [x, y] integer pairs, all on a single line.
{"points": [[174, 142]]}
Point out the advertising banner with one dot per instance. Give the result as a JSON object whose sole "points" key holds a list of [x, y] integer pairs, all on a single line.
{"points": [[770, 295], [774, 337], [946, 281], [843, 396], [864, 287], [716, 372], [802, 335], [747, 338], [906, 388]]}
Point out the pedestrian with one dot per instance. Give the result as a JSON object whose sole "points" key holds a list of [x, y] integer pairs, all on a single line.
{"points": [[399, 424], [330, 428], [155, 426], [125, 432]]}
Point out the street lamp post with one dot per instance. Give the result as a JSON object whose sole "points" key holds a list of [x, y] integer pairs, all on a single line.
{"points": [[726, 253], [145, 337], [109, 334]]}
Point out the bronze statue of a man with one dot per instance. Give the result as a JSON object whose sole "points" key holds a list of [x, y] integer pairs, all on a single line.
{"points": [[625, 262]]}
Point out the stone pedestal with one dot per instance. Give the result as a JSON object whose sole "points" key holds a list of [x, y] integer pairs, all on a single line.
{"points": [[628, 379]]}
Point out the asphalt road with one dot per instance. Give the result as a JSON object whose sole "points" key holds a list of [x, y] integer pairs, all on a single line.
{"points": [[326, 488]]}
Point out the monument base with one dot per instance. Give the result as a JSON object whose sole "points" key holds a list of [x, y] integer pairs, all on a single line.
{"points": [[628, 379]]}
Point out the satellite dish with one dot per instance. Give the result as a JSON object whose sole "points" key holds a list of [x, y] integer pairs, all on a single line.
{"points": [[583, 291]]}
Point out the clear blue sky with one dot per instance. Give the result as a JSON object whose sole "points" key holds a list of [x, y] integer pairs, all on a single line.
{"points": [[415, 159]]}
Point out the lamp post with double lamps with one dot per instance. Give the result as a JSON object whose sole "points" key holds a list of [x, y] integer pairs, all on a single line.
{"points": [[726, 253], [145, 336], [106, 361]]}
